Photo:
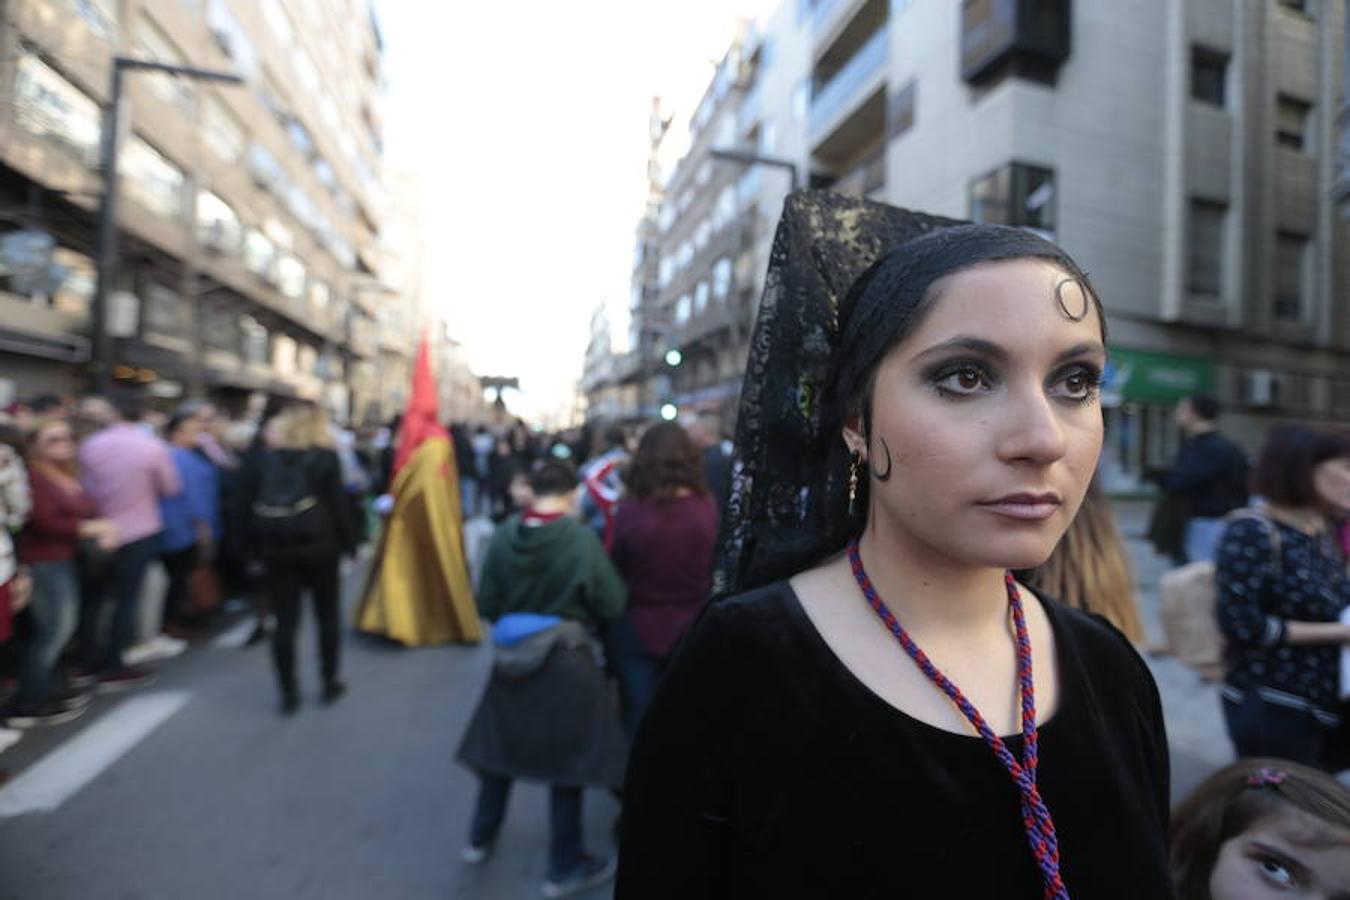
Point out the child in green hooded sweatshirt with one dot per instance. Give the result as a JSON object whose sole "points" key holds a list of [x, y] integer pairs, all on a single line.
{"points": [[546, 715]]}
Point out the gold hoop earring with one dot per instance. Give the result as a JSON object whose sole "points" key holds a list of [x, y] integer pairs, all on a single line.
{"points": [[854, 463]]}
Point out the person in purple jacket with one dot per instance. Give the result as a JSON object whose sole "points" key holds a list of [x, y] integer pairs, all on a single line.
{"points": [[663, 538]]}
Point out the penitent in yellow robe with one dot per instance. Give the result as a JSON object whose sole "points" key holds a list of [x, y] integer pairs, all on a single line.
{"points": [[418, 592]]}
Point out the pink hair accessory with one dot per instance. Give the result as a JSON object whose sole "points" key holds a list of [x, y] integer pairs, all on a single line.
{"points": [[1263, 777]]}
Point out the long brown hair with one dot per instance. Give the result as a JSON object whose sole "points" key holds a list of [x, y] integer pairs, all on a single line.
{"points": [[1228, 802], [1090, 568], [69, 469], [666, 461]]}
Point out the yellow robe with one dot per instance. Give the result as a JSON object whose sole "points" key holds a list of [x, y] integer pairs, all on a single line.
{"points": [[418, 592]]}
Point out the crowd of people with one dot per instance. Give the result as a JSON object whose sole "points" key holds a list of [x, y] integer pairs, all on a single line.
{"points": [[240, 513]]}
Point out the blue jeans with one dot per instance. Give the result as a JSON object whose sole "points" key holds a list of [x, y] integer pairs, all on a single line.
{"points": [[1202, 539], [468, 496], [637, 669], [53, 612], [124, 584], [565, 850]]}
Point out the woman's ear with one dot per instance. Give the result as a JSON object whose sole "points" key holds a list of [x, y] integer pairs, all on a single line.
{"points": [[853, 435]]}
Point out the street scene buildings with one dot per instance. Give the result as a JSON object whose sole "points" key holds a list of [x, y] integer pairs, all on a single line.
{"points": [[253, 235], [1203, 199]]}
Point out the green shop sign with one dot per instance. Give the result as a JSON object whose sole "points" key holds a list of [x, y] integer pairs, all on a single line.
{"points": [[1148, 377]]}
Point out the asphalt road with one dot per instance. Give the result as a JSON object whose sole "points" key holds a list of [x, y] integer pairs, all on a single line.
{"points": [[216, 795]]}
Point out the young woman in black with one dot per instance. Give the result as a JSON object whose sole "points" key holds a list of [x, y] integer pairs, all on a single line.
{"points": [[881, 710]]}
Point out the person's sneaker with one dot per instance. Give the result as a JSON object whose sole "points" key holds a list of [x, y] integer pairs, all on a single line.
{"points": [[590, 872], [49, 713], [333, 690], [80, 680], [8, 738], [70, 698], [159, 647], [474, 854], [123, 679]]}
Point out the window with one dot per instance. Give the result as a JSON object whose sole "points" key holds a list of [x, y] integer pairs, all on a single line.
{"points": [[291, 277], [1204, 267], [283, 354], [47, 105], [701, 234], [152, 43], [231, 37], [164, 312], [224, 135], [801, 98], [1016, 194], [721, 285], [1291, 277], [254, 340], [278, 22], [258, 252], [1291, 122], [768, 138], [701, 297], [152, 180], [320, 296], [217, 224], [1209, 70], [1304, 7], [682, 310], [900, 110], [263, 166], [220, 328]]}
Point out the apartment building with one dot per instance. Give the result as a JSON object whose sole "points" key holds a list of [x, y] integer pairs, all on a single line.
{"points": [[1184, 151], [250, 215]]}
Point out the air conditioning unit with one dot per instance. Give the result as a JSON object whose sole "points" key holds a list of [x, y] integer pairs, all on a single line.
{"points": [[1259, 387]]}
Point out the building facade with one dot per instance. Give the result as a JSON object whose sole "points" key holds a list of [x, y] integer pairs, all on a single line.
{"points": [[250, 215], [1184, 151]]}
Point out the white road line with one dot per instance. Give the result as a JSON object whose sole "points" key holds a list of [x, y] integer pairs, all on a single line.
{"points": [[62, 773]]}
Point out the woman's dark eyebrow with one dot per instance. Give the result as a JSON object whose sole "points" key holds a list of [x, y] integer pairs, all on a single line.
{"points": [[1284, 856], [970, 345], [999, 354], [1083, 349]]}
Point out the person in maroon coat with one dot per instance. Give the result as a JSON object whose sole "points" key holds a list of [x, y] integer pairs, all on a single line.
{"points": [[664, 534], [62, 514]]}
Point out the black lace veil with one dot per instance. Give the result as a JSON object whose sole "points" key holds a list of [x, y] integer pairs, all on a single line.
{"points": [[845, 277]]}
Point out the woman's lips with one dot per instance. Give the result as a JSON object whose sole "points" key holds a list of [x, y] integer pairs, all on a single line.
{"points": [[1024, 507]]}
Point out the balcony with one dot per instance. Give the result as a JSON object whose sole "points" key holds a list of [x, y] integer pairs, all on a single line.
{"points": [[747, 115], [864, 178], [857, 80], [1021, 37]]}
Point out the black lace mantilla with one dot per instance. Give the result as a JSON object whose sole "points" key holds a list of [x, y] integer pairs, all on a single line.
{"points": [[839, 288], [788, 501]]}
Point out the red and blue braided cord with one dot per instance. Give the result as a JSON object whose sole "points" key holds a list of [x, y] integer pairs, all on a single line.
{"points": [[1036, 820]]}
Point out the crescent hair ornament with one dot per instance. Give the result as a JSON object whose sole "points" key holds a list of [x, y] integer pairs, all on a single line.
{"points": [[1066, 305]]}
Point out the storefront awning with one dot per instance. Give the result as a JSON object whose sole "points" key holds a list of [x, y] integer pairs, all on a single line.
{"points": [[1146, 376]]}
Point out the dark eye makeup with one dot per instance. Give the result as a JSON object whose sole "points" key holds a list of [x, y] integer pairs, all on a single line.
{"points": [[958, 379]]}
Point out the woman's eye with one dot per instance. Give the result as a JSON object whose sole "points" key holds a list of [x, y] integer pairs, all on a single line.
{"points": [[1275, 871], [962, 380], [1081, 384]]}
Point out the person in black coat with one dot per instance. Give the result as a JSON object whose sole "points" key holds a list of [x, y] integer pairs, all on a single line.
{"points": [[301, 527]]}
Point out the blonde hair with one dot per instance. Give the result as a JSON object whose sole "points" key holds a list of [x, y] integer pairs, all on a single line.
{"points": [[1090, 568], [302, 427]]}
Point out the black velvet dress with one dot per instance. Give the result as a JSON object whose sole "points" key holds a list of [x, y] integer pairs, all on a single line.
{"points": [[765, 769]]}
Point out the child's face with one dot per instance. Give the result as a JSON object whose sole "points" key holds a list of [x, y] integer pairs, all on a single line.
{"points": [[1284, 855], [520, 492]]}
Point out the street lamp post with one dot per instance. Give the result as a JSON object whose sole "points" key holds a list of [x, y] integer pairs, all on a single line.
{"points": [[753, 159], [106, 240]]}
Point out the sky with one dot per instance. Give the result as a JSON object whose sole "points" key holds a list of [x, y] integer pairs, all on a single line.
{"points": [[526, 124]]}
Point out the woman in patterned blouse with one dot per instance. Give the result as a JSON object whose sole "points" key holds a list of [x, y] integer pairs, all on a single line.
{"points": [[1282, 586]]}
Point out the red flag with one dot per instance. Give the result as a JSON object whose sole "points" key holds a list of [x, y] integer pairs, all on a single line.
{"points": [[421, 420]]}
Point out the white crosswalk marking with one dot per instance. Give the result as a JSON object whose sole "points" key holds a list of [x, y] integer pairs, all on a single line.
{"points": [[62, 773]]}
